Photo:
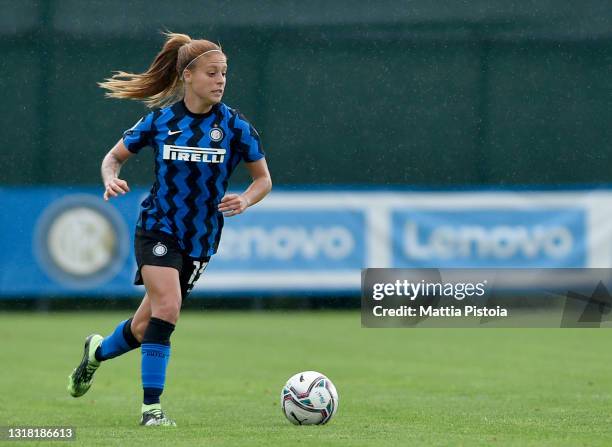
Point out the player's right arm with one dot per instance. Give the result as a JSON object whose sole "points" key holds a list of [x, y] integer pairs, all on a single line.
{"points": [[111, 165]]}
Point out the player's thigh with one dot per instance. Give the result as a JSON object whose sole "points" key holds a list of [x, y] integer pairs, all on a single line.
{"points": [[159, 259], [164, 291]]}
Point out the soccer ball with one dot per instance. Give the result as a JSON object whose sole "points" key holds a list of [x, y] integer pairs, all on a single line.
{"points": [[309, 398]]}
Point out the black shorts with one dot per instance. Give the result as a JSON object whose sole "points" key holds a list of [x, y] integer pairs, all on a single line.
{"points": [[161, 249]]}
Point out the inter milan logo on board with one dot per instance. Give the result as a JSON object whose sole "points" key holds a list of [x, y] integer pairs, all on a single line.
{"points": [[216, 134], [160, 249], [80, 241]]}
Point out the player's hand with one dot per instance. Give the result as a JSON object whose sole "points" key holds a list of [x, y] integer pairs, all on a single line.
{"points": [[115, 187], [233, 204]]}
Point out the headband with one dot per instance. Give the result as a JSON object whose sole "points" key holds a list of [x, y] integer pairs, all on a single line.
{"points": [[195, 58]]}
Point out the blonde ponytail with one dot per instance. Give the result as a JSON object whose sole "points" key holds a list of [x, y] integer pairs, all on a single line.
{"points": [[161, 84]]}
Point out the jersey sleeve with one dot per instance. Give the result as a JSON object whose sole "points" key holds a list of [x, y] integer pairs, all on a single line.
{"points": [[140, 134], [246, 140]]}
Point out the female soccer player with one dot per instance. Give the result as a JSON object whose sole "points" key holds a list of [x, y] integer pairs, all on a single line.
{"points": [[198, 141]]}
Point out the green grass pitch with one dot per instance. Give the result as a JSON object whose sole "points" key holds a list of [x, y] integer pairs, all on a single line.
{"points": [[490, 387]]}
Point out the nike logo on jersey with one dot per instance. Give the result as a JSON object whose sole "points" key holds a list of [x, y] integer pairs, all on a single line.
{"points": [[197, 154], [172, 132]]}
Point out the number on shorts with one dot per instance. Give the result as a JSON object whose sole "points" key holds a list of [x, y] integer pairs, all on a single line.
{"points": [[199, 267]]}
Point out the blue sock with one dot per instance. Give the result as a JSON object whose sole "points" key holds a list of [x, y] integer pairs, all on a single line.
{"points": [[119, 342], [155, 356]]}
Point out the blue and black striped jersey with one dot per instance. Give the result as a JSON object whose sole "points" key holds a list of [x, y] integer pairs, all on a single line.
{"points": [[195, 155]]}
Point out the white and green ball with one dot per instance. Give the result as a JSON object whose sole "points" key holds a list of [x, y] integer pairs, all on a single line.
{"points": [[309, 398]]}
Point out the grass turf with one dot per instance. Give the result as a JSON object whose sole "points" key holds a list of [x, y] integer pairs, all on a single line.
{"points": [[397, 386]]}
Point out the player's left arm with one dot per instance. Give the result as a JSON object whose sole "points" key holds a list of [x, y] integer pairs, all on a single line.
{"points": [[233, 204]]}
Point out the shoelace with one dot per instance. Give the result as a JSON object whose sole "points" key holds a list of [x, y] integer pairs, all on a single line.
{"points": [[89, 371], [85, 374], [159, 414]]}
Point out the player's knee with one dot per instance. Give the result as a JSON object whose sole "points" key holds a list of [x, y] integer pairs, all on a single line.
{"points": [[167, 314], [168, 308]]}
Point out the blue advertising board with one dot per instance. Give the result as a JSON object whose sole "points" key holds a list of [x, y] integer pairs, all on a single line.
{"points": [[69, 242], [489, 238]]}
